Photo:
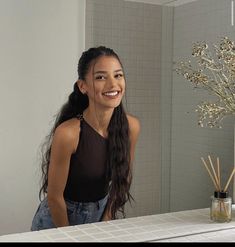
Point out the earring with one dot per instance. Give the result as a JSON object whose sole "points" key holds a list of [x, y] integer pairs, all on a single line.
{"points": [[82, 91]]}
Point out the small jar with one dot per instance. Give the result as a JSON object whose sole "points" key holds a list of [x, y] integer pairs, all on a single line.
{"points": [[221, 207]]}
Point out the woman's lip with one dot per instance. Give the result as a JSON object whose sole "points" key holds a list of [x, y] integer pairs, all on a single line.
{"points": [[112, 96], [112, 91]]}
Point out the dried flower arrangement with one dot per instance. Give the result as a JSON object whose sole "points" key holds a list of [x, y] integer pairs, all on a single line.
{"points": [[216, 74]]}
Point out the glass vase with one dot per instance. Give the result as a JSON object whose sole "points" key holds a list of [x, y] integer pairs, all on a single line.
{"points": [[221, 207]]}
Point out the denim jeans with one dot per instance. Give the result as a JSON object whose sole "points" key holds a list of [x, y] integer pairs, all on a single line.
{"points": [[78, 213]]}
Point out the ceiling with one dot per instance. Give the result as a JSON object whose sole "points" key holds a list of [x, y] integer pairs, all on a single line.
{"points": [[164, 2]]}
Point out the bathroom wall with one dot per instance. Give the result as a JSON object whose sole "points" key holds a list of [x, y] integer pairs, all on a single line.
{"points": [[40, 45], [41, 41], [168, 175], [133, 30], [166, 105], [191, 187]]}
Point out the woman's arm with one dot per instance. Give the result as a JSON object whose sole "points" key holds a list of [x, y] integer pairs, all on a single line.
{"points": [[63, 145], [107, 214], [134, 126]]}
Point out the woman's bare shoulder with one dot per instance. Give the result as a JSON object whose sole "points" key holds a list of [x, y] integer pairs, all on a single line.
{"points": [[68, 132], [69, 127]]}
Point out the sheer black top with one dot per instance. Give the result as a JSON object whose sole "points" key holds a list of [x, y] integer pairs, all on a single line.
{"points": [[87, 173]]}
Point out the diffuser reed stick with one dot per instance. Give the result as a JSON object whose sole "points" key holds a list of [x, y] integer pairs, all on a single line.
{"points": [[229, 180], [218, 173], [213, 180], [213, 169]]}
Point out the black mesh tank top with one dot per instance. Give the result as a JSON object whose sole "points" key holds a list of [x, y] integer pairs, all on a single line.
{"points": [[87, 173]]}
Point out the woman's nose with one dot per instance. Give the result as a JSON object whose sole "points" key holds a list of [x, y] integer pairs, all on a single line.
{"points": [[111, 81]]}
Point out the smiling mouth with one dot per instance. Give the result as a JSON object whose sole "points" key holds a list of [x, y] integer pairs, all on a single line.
{"points": [[111, 93]]}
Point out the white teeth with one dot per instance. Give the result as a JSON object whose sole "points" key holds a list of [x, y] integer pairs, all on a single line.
{"points": [[111, 93]]}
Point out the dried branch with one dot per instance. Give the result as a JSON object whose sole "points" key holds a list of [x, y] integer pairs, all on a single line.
{"points": [[216, 74]]}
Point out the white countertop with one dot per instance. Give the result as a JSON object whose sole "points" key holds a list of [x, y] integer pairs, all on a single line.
{"points": [[184, 226]]}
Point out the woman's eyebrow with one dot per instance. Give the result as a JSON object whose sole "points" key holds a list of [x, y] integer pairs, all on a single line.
{"points": [[100, 72], [118, 70], [105, 72]]}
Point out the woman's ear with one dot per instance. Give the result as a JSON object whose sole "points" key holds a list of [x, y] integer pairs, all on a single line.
{"points": [[82, 86]]}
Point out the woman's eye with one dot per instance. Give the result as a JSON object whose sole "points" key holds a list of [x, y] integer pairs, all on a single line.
{"points": [[100, 77], [119, 75]]}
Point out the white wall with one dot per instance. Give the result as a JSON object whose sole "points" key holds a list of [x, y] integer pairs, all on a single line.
{"points": [[41, 41]]}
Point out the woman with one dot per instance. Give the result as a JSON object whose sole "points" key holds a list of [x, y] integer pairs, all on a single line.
{"points": [[88, 161]]}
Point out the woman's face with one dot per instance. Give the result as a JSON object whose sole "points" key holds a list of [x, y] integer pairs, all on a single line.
{"points": [[105, 83]]}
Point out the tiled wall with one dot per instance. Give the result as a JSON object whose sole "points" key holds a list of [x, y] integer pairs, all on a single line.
{"points": [[168, 173], [166, 104], [133, 30], [191, 186]]}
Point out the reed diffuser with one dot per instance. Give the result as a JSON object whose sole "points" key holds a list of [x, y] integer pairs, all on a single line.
{"points": [[221, 203]]}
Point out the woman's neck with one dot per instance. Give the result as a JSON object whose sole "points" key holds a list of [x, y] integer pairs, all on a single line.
{"points": [[99, 120]]}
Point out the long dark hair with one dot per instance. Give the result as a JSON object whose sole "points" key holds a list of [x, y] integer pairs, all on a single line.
{"points": [[118, 153]]}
